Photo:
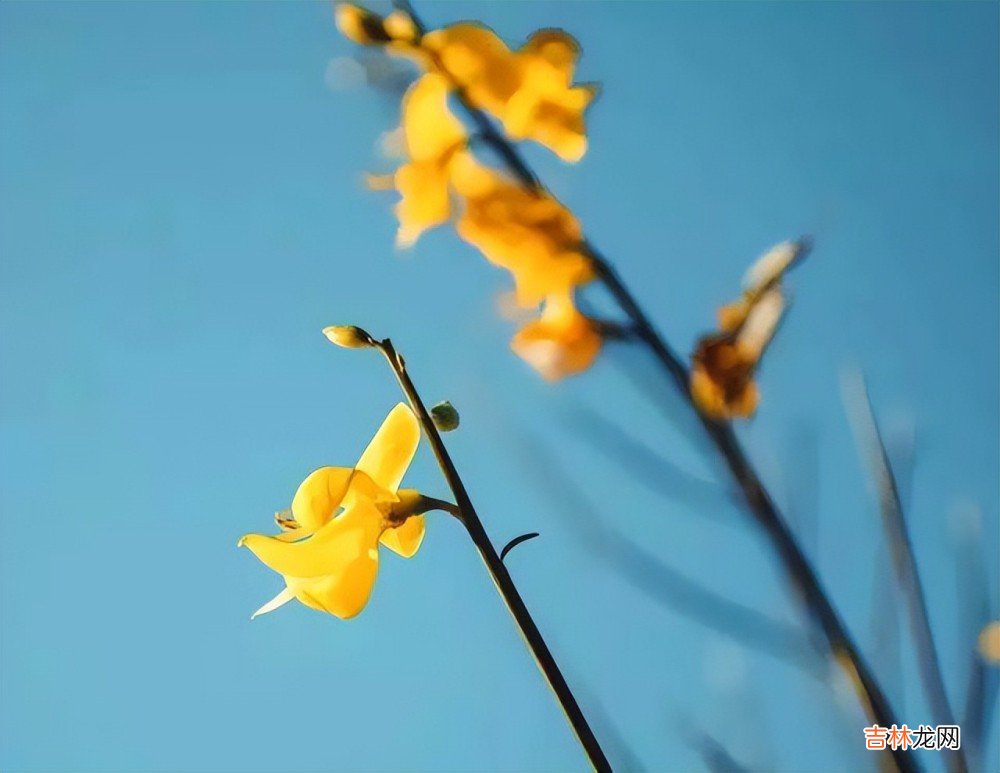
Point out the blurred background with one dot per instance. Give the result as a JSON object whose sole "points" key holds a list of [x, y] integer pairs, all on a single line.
{"points": [[182, 210]]}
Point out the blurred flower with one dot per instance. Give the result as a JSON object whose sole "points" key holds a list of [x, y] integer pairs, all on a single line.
{"points": [[523, 230], [989, 642], [432, 136], [528, 233], [724, 363], [330, 561], [530, 91], [561, 343]]}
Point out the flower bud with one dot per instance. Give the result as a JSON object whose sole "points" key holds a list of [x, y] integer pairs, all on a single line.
{"points": [[445, 416], [348, 336], [400, 26], [360, 25]]}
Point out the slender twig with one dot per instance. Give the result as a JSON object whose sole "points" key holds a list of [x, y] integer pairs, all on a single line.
{"points": [[872, 447], [758, 500], [497, 569]]}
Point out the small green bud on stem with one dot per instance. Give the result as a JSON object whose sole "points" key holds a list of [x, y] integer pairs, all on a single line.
{"points": [[445, 416]]}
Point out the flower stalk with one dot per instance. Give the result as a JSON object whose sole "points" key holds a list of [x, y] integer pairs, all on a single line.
{"points": [[494, 564]]}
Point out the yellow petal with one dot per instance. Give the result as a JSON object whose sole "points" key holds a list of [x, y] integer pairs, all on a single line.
{"points": [[406, 538], [342, 594], [479, 61], [707, 394], [556, 47], [430, 129], [425, 200], [327, 551], [391, 450], [319, 496], [562, 343]]}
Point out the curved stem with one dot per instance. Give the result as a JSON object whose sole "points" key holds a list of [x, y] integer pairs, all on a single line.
{"points": [[497, 569]]}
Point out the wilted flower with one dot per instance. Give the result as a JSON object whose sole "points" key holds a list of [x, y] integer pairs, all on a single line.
{"points": [[329, 559], [559, 344], [724, 363]]}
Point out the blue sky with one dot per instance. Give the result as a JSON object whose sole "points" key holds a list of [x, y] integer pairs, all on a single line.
{"points": [[181, 212]]}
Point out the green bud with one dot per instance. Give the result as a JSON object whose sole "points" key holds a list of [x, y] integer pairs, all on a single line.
{"points": [[445, 416]]}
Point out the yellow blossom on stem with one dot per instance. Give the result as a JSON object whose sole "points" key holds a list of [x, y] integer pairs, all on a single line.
{"points": [[562, 342], [528, 233], [432, 136], [529, 91], [328, 549]]}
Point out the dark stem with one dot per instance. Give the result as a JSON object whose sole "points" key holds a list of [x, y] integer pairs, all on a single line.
{"points": [[797, 566], [504, 582]]}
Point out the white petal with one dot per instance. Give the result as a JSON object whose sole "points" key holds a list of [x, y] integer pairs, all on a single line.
{"points": [[280, 600]]}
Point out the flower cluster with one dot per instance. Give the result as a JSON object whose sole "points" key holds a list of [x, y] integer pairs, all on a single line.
{"points": [[724, 363], [327, 550], [523, 229]]}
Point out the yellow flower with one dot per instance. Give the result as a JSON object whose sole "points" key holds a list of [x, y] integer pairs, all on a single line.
{"points": [[547, 108], [529, 91], [433, 136], [329, 560], [530, 234], [561, 343]]}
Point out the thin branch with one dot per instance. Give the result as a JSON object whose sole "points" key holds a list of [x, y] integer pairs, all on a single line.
{"points": [[872, 449], [497, 569]]}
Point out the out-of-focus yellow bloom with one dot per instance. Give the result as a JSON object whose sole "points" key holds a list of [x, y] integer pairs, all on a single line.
{"points": [[330, 561], [530, 234], [529, 91], [989, 642], [723, 365], [561, 343], [369, 29], [433, 136]]}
